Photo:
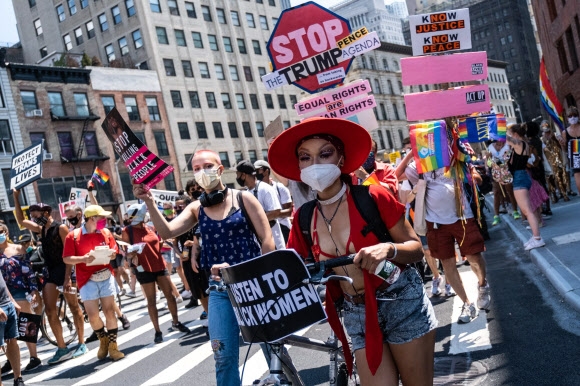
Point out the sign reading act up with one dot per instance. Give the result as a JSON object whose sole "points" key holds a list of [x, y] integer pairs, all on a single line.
{"points": [[434, 33]]}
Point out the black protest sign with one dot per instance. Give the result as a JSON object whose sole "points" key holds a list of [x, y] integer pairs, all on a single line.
{"points": [[269, 299], [143, 165], [28, 327], [26, 166]]}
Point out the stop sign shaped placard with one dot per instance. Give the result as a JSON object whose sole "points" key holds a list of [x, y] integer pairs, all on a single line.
{"points": [[303, 44]]}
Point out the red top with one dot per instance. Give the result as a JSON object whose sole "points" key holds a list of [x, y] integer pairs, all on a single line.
{"points": [[151, 259], [386, 174], [82, 244], [391, 212]]}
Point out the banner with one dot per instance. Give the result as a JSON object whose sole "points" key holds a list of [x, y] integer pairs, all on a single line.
{"points": [[430, 146], [440, 32], [144, 166], [78, 194], [444, 68], [550, 101], [482, 128], [161, 196], [63, 206], [28, 327], [269, 299], [26, 166]]}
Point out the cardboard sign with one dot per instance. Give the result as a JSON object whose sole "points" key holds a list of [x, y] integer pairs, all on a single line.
{"points": [[440, 104], [274, 129], [26, 166], [144, 166], [161, 196], [78, 194], [63, 206], [430, 146], [439, 32], [269, 299], [444, 68], [28, 327], [25, 212], [395, 157]]}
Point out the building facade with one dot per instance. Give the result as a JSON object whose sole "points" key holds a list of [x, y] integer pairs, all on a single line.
{"points": [[559, 33], [499, 89]]}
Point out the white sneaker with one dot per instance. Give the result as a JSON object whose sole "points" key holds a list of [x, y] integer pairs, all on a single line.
{"points": [[468, 313], [449, 291], [179, 299], [534, 243], [483, 297], [131, 294], [435, 290], [157, 297], [186, 294]]}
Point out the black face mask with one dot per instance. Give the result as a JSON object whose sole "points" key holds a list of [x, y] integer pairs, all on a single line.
{"points": [[369, 164], [178, 211], [195, 194], [40, 220], [260, 176], [240, 181], [127, 222], [73, 221]]}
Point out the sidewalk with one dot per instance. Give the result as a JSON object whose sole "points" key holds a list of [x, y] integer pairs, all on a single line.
{"points": [[559, 260]]}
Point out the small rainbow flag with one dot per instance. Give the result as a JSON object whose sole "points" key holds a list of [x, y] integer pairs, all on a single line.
{"points": [[430, 146], [100, 176], [372, 179], [574, 146], [549, 99]]}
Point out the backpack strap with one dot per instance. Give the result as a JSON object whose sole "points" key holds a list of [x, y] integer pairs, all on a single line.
{"points": [[129, 230], [305, 214], [248, 219], [369, 211]]}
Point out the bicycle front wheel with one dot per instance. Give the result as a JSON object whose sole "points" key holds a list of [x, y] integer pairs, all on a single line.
{"points": [[65, 319]]}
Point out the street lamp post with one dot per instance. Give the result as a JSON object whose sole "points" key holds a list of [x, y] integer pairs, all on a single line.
{"points": [[518, 109]]}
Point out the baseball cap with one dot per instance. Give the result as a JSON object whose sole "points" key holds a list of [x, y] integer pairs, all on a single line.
{"points": [[95, 210], [245, 166], [23, 238], [136, 213], [261, 164]]}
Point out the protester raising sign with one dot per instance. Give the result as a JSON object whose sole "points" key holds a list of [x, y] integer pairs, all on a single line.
{"points": [[26, 166], [143, 165], [269, 299]]}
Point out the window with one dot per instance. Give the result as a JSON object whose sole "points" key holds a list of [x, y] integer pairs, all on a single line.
{"points": [[90, 30], [250, 20], [372, 62], [396, 112], [257, 48], [254, 101], [228, 44], [108, 103], [82, 104], [562, 55], [265, 154], [242, 46], [269, 101], [162, 148], [130, 6], [260, 129], [79, 36], [201, 131], [56, 104], [264, 22], [188, 158], [281, 101], [572, 48], [72, 8], [38, 27], [204, 70], [390, 140], [170, 182], [219, 71], [132, 109], [161, 35], [137, 39], [252, 155], [212, 42], [183, 130], [190, 10], [176, 98], [224, 158], [197, 42], [194, 100], [116, 12], [154, 5], [238, 156], [5, 138], [293, 100], [141, 137], [169, 68], [91, 144], [180, 38], [233, 131], [38, 137], [261, 71], [187, 69], [32, 3], [390, 87], [234, 73], [217, 130], [384, 113], [226, 101], [173, 9], [211, 102], [60, 13], [206, 13], [67, 42], [385, 65], [153, 108], [247, 130], [66, 145], [123, 47], [235, 18], [240, 101], [221, 16]]}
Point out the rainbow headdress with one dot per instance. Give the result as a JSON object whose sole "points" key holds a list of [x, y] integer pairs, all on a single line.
{"points": [[429, 143]]}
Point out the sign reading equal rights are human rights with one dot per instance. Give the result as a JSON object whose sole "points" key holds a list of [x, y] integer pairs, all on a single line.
{"points": [[439, 32]]}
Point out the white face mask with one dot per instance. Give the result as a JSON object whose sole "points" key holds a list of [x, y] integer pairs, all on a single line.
{"points": [[573, 120], [320, 176], [207, 178]]}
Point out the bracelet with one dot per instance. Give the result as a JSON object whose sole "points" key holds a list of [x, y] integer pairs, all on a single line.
{"points": [[394, 254]]}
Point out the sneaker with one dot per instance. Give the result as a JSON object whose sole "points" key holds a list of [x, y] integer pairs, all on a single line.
{"points": [[483, 297], [19, 382], [540, 225], [186, 294], [157, 297], [179, 326], [61, 354], [92, 338], [131, 294], [125, 322], [81, 350], [571, 193], [122, 292], [468, 313], [435, 290], [203, 315], [179, 299], [516, 215], [534, 243], [496, 220], [158, 337], [192, 303], [546, 216], [34, 363], [449, 291], [7, 368]]}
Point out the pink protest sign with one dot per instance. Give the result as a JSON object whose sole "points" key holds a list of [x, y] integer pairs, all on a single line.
{"points": [[348, 109], [448, 103], [334, 99], [444, 68]]}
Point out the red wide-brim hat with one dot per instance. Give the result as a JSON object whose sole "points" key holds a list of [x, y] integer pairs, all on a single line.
{"points": [[283, 157]]}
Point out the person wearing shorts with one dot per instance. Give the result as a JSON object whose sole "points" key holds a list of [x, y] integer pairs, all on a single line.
{"points": [[9, 331]]}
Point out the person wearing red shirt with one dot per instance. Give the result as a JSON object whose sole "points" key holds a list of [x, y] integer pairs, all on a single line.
{"points": [[95, 282], [384, 172]]}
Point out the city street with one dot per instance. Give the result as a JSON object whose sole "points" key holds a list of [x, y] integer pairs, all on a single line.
{"points": [[527, 338]]}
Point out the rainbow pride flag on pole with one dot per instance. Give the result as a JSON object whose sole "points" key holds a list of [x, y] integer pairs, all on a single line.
{"points": [[482, 128], [549, 98], [100, 176], [430, 146]]}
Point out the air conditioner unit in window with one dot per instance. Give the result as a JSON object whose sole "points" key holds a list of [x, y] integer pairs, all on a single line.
{"points": [[37, 113], [47, 156]]}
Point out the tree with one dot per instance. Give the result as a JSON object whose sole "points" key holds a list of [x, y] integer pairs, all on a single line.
{"points": [[86, 60], [96, 62]]}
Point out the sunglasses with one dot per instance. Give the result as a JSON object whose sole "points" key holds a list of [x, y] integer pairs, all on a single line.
{"points": [[572, 115]]}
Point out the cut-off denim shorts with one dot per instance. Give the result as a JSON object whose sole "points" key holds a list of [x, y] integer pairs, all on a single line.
{"points": [[522, 180], [404, 311]]}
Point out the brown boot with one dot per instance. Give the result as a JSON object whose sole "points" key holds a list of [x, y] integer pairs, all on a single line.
{"points": [[114, 352], [103, 348]]}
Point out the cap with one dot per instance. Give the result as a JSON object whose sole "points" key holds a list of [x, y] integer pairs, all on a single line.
{"points": [[245, 166], [261, 164], [40, 207], [136, 213], [95, 210], [25, 237]]}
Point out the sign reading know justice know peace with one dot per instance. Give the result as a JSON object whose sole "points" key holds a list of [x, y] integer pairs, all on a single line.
{"points": [[434, 33], [270, 301], [26, 166]]}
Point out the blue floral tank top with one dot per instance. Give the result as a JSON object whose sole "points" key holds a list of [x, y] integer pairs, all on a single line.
{"points": [[226, 241]]}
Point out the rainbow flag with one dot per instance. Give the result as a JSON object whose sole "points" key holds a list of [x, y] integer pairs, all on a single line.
{"points": [[430, 146], [501, 128], [372, 179], [100, 176], [549, 98]]}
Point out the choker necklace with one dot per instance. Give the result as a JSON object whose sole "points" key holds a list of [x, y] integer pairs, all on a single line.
{"points": [[335, 198]]}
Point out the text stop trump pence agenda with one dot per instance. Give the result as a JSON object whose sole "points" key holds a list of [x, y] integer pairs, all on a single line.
{"points": [[440, 32]]}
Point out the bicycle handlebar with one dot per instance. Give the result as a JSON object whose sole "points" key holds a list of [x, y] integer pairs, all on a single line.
{"points": [[319, 268]]}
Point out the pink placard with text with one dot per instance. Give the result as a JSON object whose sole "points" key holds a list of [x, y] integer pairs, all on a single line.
{"points": [[444, 68], [334, 98]]}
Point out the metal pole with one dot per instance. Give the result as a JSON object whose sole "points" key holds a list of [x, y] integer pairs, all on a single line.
{"points": [[120, 185]]}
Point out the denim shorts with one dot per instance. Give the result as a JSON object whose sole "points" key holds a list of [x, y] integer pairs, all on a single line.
{"points": [[9, 328], [94, 290], [522, 180], [404, 312]]}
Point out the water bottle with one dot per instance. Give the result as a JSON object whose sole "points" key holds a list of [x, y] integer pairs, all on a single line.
{"points": [[29, 298], [388, 271]]}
